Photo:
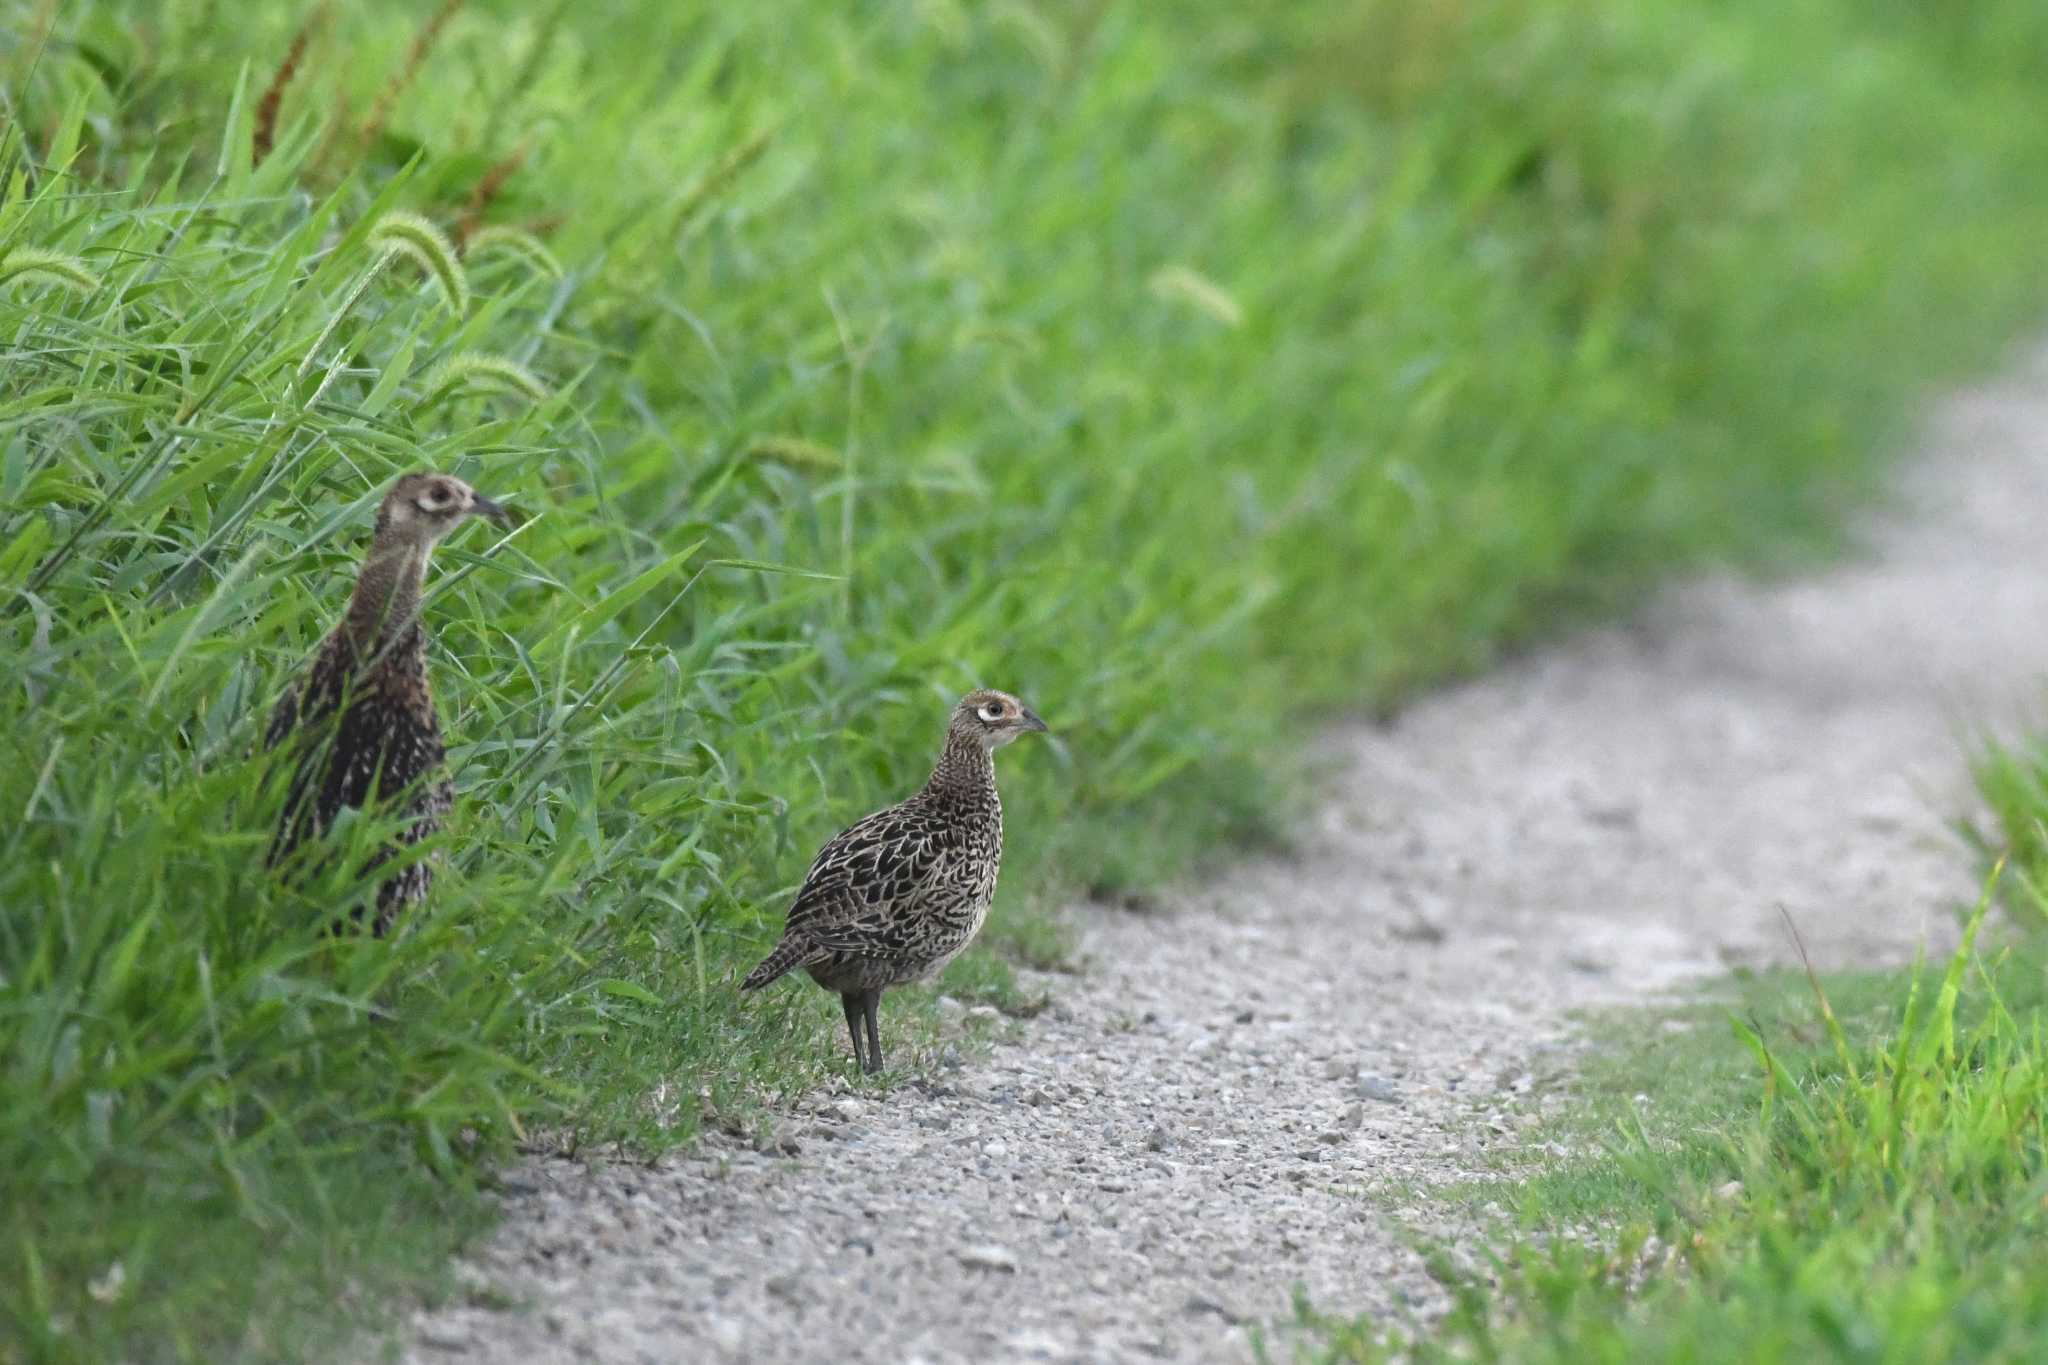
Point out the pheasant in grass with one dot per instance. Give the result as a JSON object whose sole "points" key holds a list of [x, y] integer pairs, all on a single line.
{"points": [[361, 723], [900, 894]]}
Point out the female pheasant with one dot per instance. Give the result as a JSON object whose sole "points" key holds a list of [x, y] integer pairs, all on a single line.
{"points": [[361, 722], [901, 893]]}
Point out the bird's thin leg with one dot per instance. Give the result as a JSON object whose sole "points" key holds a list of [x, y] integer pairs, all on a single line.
{"points": [[851, 1000], [871, 1006]]}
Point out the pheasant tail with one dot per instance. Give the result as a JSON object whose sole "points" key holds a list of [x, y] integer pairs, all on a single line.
{"points": [[788, 954]]}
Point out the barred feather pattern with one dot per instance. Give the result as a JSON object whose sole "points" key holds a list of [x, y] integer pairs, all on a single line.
{"points": [[361, 732], [903, 892]]}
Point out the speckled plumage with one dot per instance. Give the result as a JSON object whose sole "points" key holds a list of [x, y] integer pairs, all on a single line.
{"points": [[901, 893], [361, 727]]}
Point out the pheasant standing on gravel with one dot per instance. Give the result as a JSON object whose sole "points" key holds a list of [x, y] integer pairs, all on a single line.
{"points": [[362, 720], [900, 894]]}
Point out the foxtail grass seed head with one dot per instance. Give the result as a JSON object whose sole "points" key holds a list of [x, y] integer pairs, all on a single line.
{"points": [[401, 81], [37, 266], [729, 169], [485, 194], [1178, 282], [513, 241], [415, 237], [264, 137], [490, 373], [795, 452]]}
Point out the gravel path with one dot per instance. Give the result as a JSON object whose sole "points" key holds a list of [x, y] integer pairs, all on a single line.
{"points": [[1257, 1089]]}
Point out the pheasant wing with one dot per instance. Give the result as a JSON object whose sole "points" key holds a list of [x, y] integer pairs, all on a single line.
{"points": [[863, 892]]}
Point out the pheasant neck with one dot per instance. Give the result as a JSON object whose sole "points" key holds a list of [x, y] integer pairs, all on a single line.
{"points": [[964, 768], [387, 595]]}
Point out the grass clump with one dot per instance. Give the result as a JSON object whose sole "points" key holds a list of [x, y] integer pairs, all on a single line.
{"points": [[1181, 367], [2013, 780], [1856, 1175]]}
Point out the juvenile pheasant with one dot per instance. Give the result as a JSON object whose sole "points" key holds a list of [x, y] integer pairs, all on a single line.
{"points": [[361, 722], [900, 894]]}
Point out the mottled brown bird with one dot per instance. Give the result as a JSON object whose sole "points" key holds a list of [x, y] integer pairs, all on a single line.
{"points": [[361, 723], [900, 894]]}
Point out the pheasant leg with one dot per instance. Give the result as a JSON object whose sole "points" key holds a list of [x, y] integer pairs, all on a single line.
{"points": [[851, 1001], [870, 1006]]}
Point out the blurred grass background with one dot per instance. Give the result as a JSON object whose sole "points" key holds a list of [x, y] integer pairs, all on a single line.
{"points": [[1187, 368]]}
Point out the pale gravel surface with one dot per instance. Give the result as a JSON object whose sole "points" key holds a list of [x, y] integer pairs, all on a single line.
{"points": [[1257, 1088]]}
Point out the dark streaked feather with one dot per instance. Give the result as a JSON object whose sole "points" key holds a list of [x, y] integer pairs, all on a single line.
{"points": [[359, 736], [898, 894]]}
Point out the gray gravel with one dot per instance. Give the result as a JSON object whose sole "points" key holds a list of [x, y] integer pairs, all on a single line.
{"points": [[1259, 1088]]}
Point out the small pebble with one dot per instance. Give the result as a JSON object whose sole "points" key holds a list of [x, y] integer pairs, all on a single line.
{"points": [[991, 1258], [1376, 1087]]}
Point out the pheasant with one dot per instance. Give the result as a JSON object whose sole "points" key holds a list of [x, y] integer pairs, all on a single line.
{"points": [[900, 894], [361, 722]]}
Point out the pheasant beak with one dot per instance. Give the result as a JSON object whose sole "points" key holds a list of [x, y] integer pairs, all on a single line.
{"points": [[1033, 723], [481, 506]]}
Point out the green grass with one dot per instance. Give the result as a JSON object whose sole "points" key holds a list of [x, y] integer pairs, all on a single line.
{"points": [[1858, 1172], [1184, 367]]}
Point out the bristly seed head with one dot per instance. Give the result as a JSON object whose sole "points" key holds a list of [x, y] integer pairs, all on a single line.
{"points": [[992, 719]]}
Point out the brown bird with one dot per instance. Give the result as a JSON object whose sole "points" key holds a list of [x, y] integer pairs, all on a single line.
{"points": [[900, 894], [361, 722]]}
